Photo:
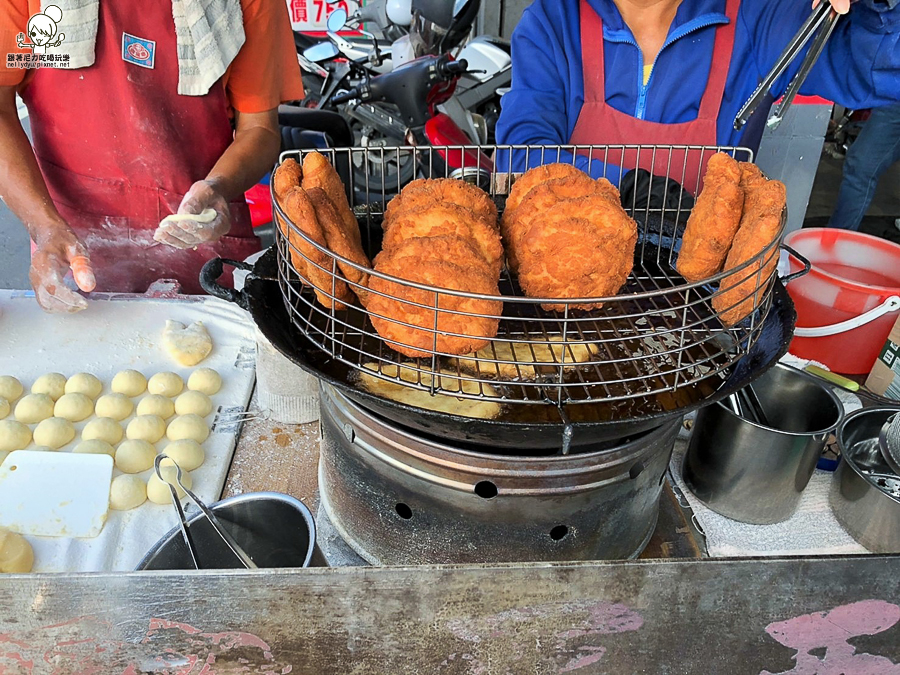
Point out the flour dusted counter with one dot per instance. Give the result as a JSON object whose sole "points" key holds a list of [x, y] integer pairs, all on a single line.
{"points": [[120, 333]]}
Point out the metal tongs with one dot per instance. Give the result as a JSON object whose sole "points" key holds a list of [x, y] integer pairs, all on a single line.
{"points": [[235, 548], [823, 19]]}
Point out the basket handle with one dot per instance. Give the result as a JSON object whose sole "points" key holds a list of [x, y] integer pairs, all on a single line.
{"points": [[209, 277], [892, 304], [807, 265]]}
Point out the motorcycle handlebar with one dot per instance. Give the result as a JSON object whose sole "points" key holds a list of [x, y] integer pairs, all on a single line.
{"points": [[445, 69]]}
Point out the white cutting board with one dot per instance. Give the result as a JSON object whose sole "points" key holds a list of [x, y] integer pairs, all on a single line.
{"points": [[115, 332], [55, 494]]}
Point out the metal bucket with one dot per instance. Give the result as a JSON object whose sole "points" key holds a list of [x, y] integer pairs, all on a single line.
{"points": [[753, 473], [274, 529], [864, 497], [398, 498]]}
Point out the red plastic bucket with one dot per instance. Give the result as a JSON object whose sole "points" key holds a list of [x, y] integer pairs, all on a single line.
{"points": [[849, 301]]}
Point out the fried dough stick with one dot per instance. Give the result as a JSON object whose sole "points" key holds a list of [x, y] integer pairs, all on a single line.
{"points": [[714, 220], [318, 266], [318, 173], [742, 291], [287, 176], [339, 242]]}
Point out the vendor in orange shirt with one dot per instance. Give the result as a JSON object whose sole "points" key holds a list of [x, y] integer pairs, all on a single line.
{"points": [[139, 111]]}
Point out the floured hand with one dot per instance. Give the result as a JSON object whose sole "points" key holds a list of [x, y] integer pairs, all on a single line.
{"points": [[204, 216], [55, 253]]}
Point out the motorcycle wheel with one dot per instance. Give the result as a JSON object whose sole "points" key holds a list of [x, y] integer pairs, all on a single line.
{"points": [[379, 176]]}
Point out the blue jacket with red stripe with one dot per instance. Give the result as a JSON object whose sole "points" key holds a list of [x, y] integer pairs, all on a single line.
{"points": [[860, 67]]}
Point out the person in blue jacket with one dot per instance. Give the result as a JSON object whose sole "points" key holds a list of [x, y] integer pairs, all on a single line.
{"points": [[667, 72]]}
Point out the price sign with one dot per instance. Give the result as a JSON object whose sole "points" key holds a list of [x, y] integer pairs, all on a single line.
{"points": [[310, 16]]}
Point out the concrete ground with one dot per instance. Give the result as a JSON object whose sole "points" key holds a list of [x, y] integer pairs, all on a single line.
{"points": [[879, 221]]}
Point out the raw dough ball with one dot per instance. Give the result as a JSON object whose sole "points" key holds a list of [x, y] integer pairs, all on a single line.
{"points": [[10, 388], [104, 429], [127, 492], [148, 428], [165, 384], [4, 408], [156, 405], [14, 436], [95, 447], [52, 384], [84, 383], [16, 554], [187, 454], [193, 403], [205, 380], [3, 455], [134, 456], [114, 406], [34, 408], [129, 382], [73, 407], [189, 346], [158, 491], [188, 426], [54, 432]]}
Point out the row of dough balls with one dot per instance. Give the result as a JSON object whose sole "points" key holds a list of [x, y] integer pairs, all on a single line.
{"points": [[73, 400], [55, 432]]}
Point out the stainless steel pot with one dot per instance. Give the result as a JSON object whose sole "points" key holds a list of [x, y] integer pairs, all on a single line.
{"points": [[276, 530], [864, 496], [399, 498], [753, 473]]}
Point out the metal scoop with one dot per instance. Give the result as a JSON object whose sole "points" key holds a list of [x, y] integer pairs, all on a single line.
{"points": [[232, 545], [889, 441]]}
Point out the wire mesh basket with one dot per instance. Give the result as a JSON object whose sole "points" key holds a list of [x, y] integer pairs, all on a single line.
{"points": [[658, 334]]}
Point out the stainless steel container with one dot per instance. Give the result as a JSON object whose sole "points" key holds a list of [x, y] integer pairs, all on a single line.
{"points": [[276, 530], [865, 494], [399, 498], [753, 473]]}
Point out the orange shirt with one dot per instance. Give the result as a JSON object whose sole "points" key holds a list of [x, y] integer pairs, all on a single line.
{"points": [[264, 73]]}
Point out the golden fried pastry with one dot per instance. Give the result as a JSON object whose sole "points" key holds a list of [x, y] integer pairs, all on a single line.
{"points": [[534, 177], [317, 265], [447, 380], [318, 173], [461, 251], [289, 174], [714, 220], [445, 219], [340, 242], [419, 339], [544, 197], [581, 248], [751, 176], [516, 359], [740, 293], [286, 177], [424, 192]]}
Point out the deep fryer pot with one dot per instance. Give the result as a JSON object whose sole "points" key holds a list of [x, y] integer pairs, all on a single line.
{"points": [[262, 297]]}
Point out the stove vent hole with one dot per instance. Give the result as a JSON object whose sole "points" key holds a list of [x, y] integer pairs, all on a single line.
{"points": [[403, 511], [486, 489], [636, 470], [559, 532]]}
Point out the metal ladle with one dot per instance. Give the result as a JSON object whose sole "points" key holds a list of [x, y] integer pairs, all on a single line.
{"points": [[233, 546]]}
